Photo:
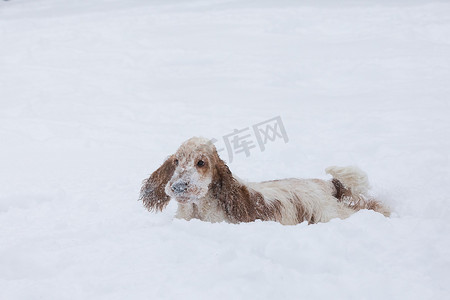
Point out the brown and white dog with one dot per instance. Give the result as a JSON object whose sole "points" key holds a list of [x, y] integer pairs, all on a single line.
{"points": [[205, 189]]}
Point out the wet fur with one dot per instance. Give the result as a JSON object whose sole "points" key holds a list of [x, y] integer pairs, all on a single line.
{"points": [[227, 198]]}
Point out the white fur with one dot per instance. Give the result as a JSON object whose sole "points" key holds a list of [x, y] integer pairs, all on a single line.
{"points": [[352, 177], [315, 195]]}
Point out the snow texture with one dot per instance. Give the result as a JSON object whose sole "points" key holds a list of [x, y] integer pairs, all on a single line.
{"points": [[94, 95]]}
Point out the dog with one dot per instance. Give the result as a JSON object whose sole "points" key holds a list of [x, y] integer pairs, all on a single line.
{"points": [[206, 189]]}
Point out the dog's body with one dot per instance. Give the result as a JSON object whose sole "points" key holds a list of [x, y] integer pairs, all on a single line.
{"points": [[206, 189]]}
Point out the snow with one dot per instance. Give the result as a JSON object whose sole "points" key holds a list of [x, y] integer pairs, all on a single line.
{"points": [[94, 95]]}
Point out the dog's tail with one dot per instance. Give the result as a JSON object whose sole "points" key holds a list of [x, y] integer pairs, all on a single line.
{"points": [[352, 187]]}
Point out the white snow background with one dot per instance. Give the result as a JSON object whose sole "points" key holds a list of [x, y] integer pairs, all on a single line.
{"points": [[94, 95]]}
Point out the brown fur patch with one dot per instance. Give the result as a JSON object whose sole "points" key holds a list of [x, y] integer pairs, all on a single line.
{"points": [[341, 190], [152, 192], [357, 202], [203, 170], [302, 213], [265, 211], [239, 204]]}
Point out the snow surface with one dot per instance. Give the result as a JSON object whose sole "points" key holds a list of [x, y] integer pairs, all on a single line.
{"points": [[94, 95]]}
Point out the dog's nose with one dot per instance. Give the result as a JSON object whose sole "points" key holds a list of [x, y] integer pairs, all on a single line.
{"points": [[179, 187]]}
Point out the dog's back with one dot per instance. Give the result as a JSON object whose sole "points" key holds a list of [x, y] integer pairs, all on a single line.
{"points": [[317, 200]]}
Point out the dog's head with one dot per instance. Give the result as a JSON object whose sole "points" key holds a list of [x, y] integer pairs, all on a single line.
{"points": [[185, 176], [194, 165]]}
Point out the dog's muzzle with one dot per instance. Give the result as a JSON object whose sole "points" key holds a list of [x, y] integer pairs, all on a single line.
{"points": [[179, 187]]}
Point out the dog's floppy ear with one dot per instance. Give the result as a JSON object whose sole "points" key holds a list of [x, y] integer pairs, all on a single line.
{"points": [[152, 191], [233, 196]]}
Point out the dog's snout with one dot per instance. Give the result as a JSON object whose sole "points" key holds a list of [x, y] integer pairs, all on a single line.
{"points": [[179, 187]]}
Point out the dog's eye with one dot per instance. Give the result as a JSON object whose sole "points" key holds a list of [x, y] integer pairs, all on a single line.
{"points": [[200, 163], [176, 162]]}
